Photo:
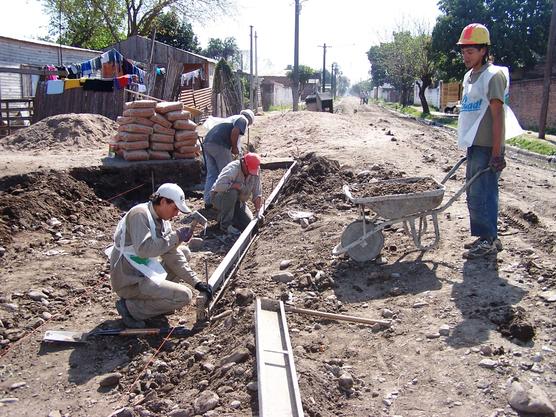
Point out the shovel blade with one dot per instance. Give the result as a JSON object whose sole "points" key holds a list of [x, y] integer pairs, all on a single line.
{"points": [[63, 336]]}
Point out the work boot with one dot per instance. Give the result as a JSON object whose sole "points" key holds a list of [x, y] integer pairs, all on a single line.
{"points": [[126, 316], [484, 248], [497, 242]]}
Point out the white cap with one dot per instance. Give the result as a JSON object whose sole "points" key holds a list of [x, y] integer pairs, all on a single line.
{"points": [[175, 193], [249, 115]]}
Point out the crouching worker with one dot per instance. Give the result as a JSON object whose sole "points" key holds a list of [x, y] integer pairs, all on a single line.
{"points": [[238, 181], [146, 262]]}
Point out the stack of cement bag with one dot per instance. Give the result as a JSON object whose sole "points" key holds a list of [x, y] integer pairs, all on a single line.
{"points": [[134, 130], [159, 131]]}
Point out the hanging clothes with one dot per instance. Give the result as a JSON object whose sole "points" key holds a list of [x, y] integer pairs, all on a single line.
{"points": [[54, 86], [53, 76], [98, 85], [71, 83]]}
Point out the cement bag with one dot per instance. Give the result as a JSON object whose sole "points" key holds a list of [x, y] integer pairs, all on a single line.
{"points": [[129, 146], [132, 137], [161, 129], [136, 155], [140, 104], [159, 155], [139, 113], [182, 135], [161, 120], [178, 115], [185, 125], [134, 128], [157, 146], [188, 142], [178, 155], [159, 137], [134, 120], [168, 106], [189, 149]]}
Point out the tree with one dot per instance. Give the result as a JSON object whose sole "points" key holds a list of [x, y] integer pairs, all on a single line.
{"points": [[171, 31], [518, 31], [80, 29], [357, 89], [225, 49], [424, 66], [343, 85], [305, 74], [124, 18]]}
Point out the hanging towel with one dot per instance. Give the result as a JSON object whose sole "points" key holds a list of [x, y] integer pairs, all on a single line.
{"points": [[71, 83], [51, 77], [86, 68], [127, 67], [54, 86], [98, 85]]}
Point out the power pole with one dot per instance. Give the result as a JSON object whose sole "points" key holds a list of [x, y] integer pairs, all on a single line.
{"points": [[295, 89], [324, 66], [256, 76], [251, 69], [333, 81], [548, 72]]}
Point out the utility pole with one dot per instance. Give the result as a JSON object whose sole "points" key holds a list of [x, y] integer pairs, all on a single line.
{"points": [[256, 75], [251, 69], [295, 89], [548, 72], [333, 81], [323, 89]]}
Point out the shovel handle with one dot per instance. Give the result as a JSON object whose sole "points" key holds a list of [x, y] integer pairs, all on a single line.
{"points": [[175, 331]]}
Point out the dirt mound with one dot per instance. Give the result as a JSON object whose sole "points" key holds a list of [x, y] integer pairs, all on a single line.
{"points": [[81, 131], [30, 202], [395, 187]]}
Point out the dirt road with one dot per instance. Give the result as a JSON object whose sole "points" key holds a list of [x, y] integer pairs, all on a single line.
{"points": [[452, 348]]}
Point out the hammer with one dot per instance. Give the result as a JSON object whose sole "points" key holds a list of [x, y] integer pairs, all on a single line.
{"points": [[195, 218]]}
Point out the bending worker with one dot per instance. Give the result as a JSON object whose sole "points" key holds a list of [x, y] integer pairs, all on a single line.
{"points": [[146, 262], [238, 181], [485, 122], [221, 142]]}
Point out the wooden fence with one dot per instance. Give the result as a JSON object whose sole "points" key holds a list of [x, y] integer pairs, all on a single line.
{"points": [[15, 114], [77, 100], [199, 99]]}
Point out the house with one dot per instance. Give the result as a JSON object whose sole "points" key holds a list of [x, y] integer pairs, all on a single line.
{"points": [[443, 95], [26, 58], [276, 90]]}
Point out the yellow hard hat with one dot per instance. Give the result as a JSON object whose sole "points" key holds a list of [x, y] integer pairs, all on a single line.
{"points": [[474, 34]]}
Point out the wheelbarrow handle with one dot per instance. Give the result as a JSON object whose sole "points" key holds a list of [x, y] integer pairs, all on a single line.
{"points": [[461, 190]]}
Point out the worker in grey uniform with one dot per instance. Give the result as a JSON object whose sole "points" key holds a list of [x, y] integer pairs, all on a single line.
{"points": [[146, 261], [238, 181], [221, 142]]}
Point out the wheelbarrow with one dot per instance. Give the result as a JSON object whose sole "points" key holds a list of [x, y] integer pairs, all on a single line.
{"points": [[363, 239]]}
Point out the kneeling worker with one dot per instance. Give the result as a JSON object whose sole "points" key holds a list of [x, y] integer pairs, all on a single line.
{"points": [[238, 181], [145, 261]]}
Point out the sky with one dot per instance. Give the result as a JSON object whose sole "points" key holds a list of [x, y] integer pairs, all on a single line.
{"points": [[348, 27]]}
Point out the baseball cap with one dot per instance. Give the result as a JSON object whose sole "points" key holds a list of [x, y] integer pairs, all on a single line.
{"points": [[175, 193]]}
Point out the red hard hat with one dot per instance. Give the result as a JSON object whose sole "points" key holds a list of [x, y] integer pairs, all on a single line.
{"points": [[252, 163]]}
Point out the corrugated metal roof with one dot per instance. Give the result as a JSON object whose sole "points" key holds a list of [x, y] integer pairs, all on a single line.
{"points": [[38, 42]]}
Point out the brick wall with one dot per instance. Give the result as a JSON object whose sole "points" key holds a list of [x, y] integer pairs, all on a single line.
{"points": [[525, 101]]}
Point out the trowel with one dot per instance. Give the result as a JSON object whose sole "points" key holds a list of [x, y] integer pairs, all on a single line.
{"points": [[64, 336]]}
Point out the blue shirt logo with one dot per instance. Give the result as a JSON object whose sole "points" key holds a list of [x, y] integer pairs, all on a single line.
{"points": [[470, 106]]}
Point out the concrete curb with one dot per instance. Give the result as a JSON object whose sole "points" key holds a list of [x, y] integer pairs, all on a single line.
{"points": [[513, 149]]}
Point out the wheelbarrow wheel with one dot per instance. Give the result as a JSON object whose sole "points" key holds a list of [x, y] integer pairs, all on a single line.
{"points": [[368, 249]]}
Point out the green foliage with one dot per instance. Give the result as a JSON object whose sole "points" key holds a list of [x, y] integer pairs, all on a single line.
{"points": [[305, 74], [175, 32], [361, 86], [226, 49], [82, 24], [343, 85], [518, 32], [400, 62], [530, 143]]}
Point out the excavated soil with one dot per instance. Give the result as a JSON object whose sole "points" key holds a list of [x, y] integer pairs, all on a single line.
{"points": [[77, 131], [393, 187], [461, 329]]}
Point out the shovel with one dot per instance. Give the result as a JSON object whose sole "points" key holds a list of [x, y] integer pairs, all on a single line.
{"points": [[63, 336]]}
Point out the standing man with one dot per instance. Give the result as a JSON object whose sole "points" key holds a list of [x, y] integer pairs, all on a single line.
{"points": [[485, 121], [221, 142], [238, 181], [145, 261]]}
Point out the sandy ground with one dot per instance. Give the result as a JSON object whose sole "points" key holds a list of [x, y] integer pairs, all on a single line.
{"points": [[454, 344]]}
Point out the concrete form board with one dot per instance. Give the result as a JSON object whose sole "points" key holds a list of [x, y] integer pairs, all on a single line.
{"points": [[278, 389]]}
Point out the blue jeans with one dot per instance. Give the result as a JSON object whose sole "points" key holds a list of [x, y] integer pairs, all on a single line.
{"points": [[216, 158], [482, 196]]}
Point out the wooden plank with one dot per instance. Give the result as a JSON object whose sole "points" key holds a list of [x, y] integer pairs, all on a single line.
{"points": [[278, 389]]}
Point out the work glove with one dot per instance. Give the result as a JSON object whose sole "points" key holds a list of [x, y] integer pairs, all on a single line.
{"points": [[204, 288], [260, 218], [184, 234], [497, 163]]}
